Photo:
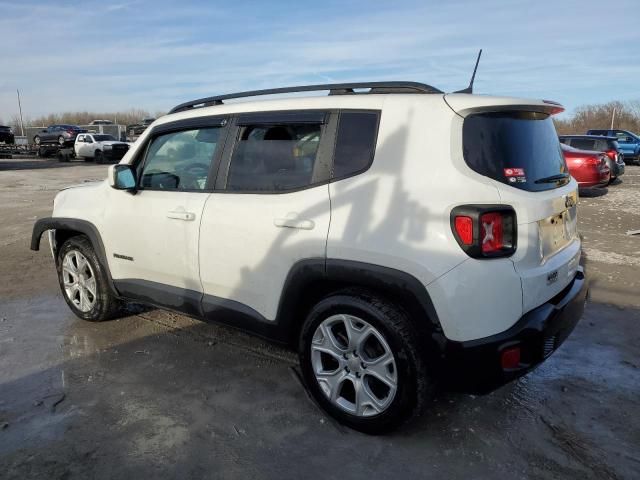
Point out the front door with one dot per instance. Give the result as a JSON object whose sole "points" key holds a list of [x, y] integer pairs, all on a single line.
{"points": [[270, 210], [152, 237]]}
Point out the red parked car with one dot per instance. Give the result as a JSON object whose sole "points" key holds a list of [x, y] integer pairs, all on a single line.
{"points": [[589, 168]]}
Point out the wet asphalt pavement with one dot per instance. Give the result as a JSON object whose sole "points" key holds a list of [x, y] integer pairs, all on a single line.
{"points": [[160, 395]]}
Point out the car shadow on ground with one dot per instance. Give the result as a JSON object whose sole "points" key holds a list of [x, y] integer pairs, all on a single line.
{"points": [[593, 192]]}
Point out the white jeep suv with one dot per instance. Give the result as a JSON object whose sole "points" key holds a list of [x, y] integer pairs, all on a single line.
{"points": [[396, 236]]}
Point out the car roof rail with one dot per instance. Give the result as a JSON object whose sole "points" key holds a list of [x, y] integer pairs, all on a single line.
{"points": [[333, 88]]}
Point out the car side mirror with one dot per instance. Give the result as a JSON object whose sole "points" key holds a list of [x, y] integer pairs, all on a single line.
{"points": [[122, 177]]}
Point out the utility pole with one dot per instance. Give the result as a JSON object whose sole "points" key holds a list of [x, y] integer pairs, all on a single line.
{"points": [[613, 116], [20, 109]]}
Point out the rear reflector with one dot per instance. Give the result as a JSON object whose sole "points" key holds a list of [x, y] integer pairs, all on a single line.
{"points": [[464, 229], [510, 358]]}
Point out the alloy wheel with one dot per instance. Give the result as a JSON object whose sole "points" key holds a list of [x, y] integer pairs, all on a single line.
{"points": [[79, 281], [354, 365]]}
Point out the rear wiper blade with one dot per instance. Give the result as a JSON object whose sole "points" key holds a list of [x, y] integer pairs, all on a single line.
{"points": [[553, 178]]}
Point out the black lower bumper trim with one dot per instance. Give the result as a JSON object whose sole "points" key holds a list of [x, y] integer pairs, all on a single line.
{"points": [[475, 366]]}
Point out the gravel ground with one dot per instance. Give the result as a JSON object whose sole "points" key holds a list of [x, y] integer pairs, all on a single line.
{"points": [[160, 395]]}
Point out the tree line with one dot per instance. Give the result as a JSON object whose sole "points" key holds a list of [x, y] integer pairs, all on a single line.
{"points": [[586, 117], [129, 117], [627, 117]]}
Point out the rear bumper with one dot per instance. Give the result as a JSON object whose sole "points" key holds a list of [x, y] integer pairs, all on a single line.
{"points": [[475, 366]]}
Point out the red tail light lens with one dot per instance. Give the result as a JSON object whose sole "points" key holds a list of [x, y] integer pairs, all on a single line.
{"points": [[611, 154], [485, 231], [491, 232], [464, 229]]}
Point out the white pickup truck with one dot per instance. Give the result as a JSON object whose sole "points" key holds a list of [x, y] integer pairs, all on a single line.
{"points": [[99, 147]]}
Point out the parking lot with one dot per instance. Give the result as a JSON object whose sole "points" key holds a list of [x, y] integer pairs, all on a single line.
{"points": [[161, 395]]}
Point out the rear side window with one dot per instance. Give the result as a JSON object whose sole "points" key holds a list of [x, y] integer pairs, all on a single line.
{"points": [[355, 143], [584, 143], [518, 148], [274, 158], [180, 160]]}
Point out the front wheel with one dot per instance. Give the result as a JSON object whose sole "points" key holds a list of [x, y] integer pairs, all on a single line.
{"points": [[361, 361], [84, 282]]}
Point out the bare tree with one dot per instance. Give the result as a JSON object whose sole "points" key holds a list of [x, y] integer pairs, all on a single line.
{"points": [[599, 117]]}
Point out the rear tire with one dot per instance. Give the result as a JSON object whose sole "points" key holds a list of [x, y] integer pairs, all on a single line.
{"points": [[84, 282], [372, 384]]}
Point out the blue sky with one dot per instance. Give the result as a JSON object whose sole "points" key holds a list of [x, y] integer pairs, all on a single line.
{"points": [[116, 55]]}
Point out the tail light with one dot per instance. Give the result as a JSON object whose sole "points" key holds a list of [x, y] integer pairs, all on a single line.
{"points": [[612, 154], [485, 231], [595, 160]]}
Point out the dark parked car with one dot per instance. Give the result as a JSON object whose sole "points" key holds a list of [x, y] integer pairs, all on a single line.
{"points": [[599, 143], [60, 134], [629, 143], [6, 135], [589, 168]]}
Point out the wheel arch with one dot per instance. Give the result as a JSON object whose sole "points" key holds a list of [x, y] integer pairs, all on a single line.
{"points": [[65, 228], [311, 280]]}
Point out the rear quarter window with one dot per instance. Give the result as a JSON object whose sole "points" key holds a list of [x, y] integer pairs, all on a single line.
{"points": [[355, 143], [517, 148]]}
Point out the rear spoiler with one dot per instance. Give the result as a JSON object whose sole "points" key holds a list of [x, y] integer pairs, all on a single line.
{"points": [[464, 104]]}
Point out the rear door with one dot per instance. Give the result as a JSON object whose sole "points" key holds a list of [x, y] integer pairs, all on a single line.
{"points": [[520, 151], [270, 209]]}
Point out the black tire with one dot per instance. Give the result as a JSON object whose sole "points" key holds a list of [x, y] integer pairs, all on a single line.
{"points": [[107, 305], [36, 140], [43, 152], [414, 384], [61, 140], [62, 157], [99, 157]]}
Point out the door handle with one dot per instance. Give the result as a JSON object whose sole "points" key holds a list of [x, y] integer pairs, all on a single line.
{"points": [[291, 222], [181, 215]]}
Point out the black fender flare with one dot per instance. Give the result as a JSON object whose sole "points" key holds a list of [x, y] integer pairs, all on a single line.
{"points": [[73, 225], [307, 274]]}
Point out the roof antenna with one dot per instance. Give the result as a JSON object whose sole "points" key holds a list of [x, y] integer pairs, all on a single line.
{"points": [[469, 89]]}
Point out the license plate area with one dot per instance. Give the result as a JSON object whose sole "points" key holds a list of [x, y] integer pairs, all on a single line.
{"points": [[557, 231]]}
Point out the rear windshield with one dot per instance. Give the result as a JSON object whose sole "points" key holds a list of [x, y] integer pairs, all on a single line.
{"points": [[518, 148]]}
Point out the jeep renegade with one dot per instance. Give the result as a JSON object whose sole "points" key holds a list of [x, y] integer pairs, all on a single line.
{"points": [[396, 236]]}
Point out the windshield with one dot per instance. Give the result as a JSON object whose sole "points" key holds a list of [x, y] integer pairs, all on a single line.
{"points": [[103, 138], [518, 148]]}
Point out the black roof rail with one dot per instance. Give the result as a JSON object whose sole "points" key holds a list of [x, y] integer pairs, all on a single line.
{"points": [[333, 88]]}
